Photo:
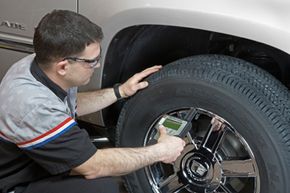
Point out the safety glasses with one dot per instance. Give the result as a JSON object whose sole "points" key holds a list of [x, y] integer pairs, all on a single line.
{"points": [[91, 62]]}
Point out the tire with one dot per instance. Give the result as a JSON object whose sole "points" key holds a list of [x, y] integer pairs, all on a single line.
{"points": [[249, 152]]}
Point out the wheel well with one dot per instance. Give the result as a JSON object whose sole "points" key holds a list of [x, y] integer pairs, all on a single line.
{"points": [[138, 47]]}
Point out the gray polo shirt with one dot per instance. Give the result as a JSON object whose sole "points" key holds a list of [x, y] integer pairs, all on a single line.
{"points": [[38, 131]]}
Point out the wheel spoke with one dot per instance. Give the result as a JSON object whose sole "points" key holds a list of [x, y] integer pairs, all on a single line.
{"points": [[214, 135], [239, 168], [171, 179], [191, 140], [179, 189], [171, 185], [226, 190]]}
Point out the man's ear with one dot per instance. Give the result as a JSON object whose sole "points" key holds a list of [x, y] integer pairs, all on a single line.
{"points": [[61, 67]]}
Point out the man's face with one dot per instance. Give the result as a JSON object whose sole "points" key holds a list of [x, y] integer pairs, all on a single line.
{"points": [[83, 65]]}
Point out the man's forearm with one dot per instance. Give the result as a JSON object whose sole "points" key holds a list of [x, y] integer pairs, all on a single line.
{"points": [[89, 102], [125, 160], [118, 161]]}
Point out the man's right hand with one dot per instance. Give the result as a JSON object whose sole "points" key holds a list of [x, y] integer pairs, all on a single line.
{"points": [[170, 147]]}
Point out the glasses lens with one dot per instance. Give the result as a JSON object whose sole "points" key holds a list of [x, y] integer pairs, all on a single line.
{"points": [[92, 63], [95, 62]]}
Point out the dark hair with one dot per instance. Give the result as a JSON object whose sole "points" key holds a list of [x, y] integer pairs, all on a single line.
{"points": [[63, 33]]}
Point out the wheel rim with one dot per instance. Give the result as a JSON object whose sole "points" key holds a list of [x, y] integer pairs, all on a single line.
{"points": [[216, 159]]}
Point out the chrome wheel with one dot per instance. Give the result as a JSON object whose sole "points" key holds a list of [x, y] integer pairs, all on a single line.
{"points": [[239, 140], [216, 159]]}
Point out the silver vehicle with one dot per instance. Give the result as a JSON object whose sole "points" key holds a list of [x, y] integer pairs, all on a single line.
{"points": [[227, 59]]}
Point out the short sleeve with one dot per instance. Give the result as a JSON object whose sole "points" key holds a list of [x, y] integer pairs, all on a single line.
{"points": [[69, 150], [52, 138]]}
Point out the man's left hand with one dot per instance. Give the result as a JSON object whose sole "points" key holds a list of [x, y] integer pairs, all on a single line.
{"points": [[135, 83]]}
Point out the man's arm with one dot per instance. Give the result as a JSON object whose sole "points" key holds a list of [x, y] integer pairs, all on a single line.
{"points": [[89, 102], [120, 161]]}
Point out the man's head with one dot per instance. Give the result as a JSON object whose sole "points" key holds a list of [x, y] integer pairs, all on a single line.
{"points": [[62, 34], [67, 47]]}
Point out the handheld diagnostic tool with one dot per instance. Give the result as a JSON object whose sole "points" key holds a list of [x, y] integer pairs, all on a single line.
{"points": [[176, 126]]}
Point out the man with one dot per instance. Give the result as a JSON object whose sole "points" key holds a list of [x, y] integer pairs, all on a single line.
{"points": [[42, 149]]}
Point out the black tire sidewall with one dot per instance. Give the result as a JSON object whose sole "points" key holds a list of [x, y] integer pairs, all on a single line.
{"points": [[171, 93]]}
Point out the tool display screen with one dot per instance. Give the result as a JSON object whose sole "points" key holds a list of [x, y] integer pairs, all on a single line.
{"points": [[171, 124], [174, 126]]}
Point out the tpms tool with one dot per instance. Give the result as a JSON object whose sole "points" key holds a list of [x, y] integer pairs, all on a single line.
{"points": [[176, 126]]}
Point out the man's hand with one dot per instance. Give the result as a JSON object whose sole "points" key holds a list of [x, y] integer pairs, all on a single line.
{"points": [[89, 102], [135, 83], [170, 147]]}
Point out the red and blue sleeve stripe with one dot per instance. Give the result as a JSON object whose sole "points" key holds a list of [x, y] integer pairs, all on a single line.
{"points": [[49, 135], [4, 137]]}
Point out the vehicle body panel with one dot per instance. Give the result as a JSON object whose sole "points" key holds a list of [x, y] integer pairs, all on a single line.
{"points": [[254, 20], [28, 13]]}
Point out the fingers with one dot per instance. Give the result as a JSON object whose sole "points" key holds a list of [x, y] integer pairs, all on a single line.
{"points": [[162, 131], [154, 68], [172, 146], [216, 124], [135, 83], [142, 85], [141, 75]]}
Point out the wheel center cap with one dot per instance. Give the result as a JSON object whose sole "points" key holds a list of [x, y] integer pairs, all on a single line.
{"points": [[198, 169]]}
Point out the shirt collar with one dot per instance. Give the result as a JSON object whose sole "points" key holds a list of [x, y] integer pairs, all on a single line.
{"points": [[40, 76]]}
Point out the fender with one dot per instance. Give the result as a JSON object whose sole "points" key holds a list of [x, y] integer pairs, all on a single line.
{"points": [[264, 21]]}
